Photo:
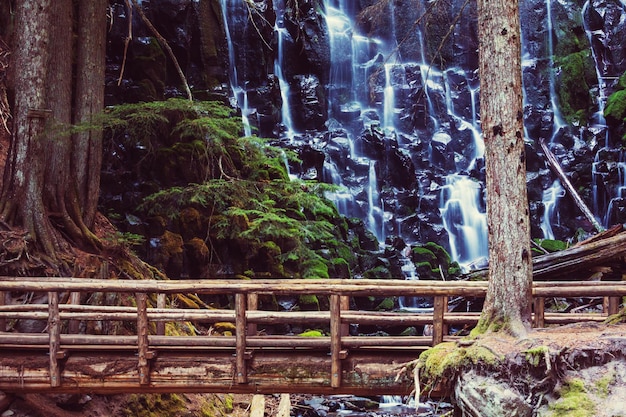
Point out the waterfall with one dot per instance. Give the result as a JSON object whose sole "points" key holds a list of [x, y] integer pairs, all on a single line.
{"points": [[603, 200], [465, 219], [550, 199], [283, 84], [239, 92], [558, 122], [389, 107], [375, 214]]}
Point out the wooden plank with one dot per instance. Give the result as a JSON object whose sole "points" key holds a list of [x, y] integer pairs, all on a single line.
{"points": [[54, 332], [335, 340], [539, 307], [439, 327], [241, 328], [257, 406], [143, 365], [286, 371], [284, 406]]}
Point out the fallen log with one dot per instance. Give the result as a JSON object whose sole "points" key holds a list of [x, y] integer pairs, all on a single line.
{"points": [[599, 250], [556, 167]]}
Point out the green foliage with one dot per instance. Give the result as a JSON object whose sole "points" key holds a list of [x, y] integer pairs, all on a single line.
{"points": [[249, 211], [552, 245]]}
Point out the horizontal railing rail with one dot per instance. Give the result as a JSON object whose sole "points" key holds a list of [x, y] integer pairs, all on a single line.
{"points": [[150, 317]]}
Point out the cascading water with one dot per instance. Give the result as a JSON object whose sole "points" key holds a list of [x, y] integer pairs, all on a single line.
{"points": [[283, 84], [240, 94], [465, 219], [550, 199], [557, 121]]}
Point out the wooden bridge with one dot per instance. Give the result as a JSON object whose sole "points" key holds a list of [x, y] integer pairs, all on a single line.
{"points": [[146, 359]]}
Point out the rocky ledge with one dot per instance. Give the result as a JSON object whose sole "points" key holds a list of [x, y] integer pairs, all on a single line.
{"points": [[573, 370]]}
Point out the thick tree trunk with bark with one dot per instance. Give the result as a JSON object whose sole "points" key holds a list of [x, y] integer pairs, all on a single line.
{"points": [[87, 149], [22, 193], [508, 303], [51, 174]]}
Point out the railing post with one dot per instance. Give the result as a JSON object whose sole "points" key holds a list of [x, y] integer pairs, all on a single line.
{"points": [[142, 338], [74, 325], [439, 311], [611, 305], [345, 305], [336, 353], [160, 326], [253, 304], [3, 322], [539, 307], [241, 329], [54, 334]]}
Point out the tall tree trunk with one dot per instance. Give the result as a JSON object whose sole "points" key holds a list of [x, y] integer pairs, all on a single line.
{"points": [[23, 187], [87, 147], [60, 101], [508, 302]]}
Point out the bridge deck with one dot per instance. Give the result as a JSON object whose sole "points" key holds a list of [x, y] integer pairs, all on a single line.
{"points": [[145, 359]]}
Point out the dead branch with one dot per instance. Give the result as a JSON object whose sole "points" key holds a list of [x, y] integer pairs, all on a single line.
{"points": [[129, 37], [556, 168], [165, 46]]}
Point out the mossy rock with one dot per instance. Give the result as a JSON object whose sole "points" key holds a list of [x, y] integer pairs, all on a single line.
{"points": [[616, 106], [387, 304], [152, 405], [315, 268], [443, 362], [573, 89], [574, 401], [341, 268], [379, 272], [308, 302], [421, 254]]}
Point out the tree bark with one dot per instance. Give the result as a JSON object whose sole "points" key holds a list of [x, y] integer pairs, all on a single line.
{"points": [[508, 302], [22, 193], [87, 146]]}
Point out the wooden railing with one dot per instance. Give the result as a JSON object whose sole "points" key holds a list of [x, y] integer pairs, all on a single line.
{"points": [[248, 345]]}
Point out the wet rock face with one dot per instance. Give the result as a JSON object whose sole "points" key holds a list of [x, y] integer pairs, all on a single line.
{"points": [[432, 108], [193, 31]]}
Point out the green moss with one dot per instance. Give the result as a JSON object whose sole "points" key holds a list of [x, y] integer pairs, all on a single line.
{"points": [[552, 245], [602, 385], [536, 355], [420, 254], [379, 272], [312, 333], [386, 304], [573, 89], [574, 401], [153, 405], [444, 361], [616, 106], [309, 302]]}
